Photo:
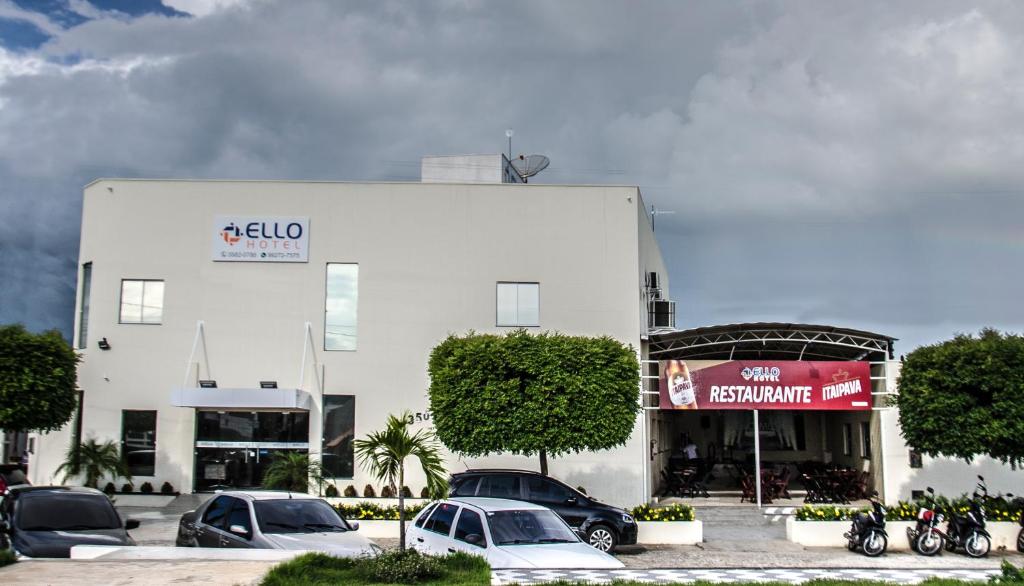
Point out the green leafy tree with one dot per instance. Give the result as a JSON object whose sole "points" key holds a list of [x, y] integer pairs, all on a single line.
{"points": [[962, 397], [292, 471], [37, 380], [383, 454], [546, 394], [94, 460]]}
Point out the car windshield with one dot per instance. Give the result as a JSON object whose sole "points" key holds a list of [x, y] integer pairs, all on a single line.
{"points": [[524, 527], [297, 516], [66, 512]]}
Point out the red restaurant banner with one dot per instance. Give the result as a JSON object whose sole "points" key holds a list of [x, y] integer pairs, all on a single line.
{"points": [[765, 384]]}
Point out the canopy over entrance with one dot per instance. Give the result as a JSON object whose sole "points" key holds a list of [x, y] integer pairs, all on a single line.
{"points": [[770, 341]]}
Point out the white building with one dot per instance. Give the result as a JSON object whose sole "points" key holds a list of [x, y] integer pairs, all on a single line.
{"points": [[313, 307]]}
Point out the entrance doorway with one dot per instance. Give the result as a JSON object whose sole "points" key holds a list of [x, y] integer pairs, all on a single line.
{"points": [[234, 448]]}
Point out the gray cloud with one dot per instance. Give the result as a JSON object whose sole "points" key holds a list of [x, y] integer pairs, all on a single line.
{"points": [[841, 163]]}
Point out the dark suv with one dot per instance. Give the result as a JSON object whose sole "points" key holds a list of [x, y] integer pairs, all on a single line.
{"points": [[603, 525]]}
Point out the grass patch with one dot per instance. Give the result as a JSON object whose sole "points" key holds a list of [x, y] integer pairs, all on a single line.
{"points": [[319, 569], [7, 557]]}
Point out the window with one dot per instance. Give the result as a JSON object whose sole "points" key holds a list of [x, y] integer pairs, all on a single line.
{"points": [[423, 516], [519, 304], [339, 431], [470, 524], [847, 439], [217, 512], [142, 301], [83, 310], [138, 441], [501, 486], [865, 439], [240, 516], [466, 487], [441, 520], [340, 310], [545, 491]]}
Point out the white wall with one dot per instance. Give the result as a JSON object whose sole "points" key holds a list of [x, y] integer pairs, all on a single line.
{"points": [[429, 256]]}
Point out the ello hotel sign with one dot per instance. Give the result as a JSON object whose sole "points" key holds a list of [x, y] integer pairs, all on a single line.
{"points": [[260, 239]]}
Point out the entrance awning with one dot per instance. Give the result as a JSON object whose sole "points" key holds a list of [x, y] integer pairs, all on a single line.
{"points": [[241, 398]]}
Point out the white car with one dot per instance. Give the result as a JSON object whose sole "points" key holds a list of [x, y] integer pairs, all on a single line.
{"points": [[507, 533], [272, 520]]}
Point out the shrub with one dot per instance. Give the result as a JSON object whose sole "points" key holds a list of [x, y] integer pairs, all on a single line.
{"points": [[146, 488], [109, 488], [406, 492], [331, 491], [373, 512], [403, 567], [996, 509], [368, 492], [7, 557], [387, 493], [672, 513], [127, 487], [350, 491], [166, 488], [1009, 574], [425, 493]]}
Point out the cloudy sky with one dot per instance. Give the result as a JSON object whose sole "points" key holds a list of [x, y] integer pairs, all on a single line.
{"points": [[849, 163]]}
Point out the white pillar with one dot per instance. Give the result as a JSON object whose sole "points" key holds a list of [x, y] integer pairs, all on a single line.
{"points": [[757, 458]]}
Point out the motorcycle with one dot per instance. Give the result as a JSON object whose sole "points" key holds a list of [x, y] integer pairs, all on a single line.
{"points": [[967, 531], [867, 531], [926, 538]]}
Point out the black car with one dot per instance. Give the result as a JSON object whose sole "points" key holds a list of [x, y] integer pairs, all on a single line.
{"points": [[603, 526], [45, 521]]}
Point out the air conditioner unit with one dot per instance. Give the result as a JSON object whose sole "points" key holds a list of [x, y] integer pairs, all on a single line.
{"points": [[662, 314]]}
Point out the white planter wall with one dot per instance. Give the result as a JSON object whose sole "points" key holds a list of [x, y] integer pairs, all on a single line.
{"points": [[830, 533], [670, 532]]}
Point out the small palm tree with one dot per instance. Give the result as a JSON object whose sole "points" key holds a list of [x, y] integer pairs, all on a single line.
{"points": [[383, 454], [93, 460], [292, 471]]}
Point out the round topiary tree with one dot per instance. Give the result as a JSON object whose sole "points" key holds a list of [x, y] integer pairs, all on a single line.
{"points": [[962, 398], [545, 394], [37, 380]]}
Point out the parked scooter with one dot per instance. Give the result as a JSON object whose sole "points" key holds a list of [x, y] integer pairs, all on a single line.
{"points": [[968, 532], [926, 538], [867, 532]]}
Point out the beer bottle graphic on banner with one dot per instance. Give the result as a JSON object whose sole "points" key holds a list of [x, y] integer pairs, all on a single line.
{"points": [[680, 386]]}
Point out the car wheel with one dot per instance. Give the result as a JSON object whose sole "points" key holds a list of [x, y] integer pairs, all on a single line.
{"points": [[602, 538]]}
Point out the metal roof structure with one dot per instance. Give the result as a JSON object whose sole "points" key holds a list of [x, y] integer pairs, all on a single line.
{"points": [[770, 341]]}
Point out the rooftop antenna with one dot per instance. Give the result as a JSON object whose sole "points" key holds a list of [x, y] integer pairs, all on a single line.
{"points": [[529, 165], [656, 212]]}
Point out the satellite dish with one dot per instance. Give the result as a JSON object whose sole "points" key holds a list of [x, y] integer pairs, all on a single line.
{"points": [[529, 165]]}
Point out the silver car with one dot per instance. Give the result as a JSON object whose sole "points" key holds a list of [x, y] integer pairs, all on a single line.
{"points": [[272, 520]]}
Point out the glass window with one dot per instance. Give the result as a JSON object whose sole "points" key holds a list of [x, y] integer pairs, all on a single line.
{"points": [[500, 486], [339, 431], [470, 524], [83, 311], [240, 516], [518, 304], [544, 490], [138, 441], [342, 301], [865, 439], [526, 527], [47, 512], [298, 516], [217, 512], [423, 516], [467, 487], [142, 301], [441, 520]]}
